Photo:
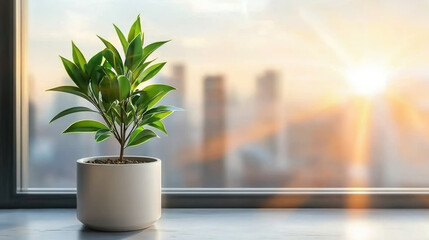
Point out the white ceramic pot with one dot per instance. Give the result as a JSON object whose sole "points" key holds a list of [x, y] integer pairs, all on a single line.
{"points": [[119, 197]]}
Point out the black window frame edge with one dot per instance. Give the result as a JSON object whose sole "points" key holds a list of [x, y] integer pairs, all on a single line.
{"points": [[9, 198]]}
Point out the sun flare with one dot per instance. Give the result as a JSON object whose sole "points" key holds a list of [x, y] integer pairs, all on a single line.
{"points": [[367, 79]]}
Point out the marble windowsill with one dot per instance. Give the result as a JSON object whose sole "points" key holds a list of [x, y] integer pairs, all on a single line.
{"points": [[229, 224]]}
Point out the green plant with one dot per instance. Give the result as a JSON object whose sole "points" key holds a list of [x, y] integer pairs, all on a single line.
{"points": [[112, 86]]}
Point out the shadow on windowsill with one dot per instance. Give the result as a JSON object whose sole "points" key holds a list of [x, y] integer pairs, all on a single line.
{"points": [[150, 233]]}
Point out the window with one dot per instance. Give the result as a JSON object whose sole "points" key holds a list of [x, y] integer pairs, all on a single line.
{"points": [[279, 95]]}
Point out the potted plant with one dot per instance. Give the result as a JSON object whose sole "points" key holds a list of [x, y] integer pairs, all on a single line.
{"points": [[118, 193]]}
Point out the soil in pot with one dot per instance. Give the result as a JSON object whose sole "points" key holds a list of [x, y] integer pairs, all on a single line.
{"points": [[117, 161]]}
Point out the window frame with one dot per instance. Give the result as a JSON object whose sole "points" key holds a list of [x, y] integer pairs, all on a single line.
{"points": [[183, 198]]}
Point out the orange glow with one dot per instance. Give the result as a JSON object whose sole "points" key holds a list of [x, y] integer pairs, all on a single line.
{"points": [[359, 158]]}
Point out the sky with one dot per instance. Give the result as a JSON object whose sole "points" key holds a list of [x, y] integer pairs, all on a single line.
{"points": [[312, 44]]}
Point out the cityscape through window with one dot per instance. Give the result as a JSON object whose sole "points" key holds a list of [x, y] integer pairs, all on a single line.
{"points": [[277, 94]]}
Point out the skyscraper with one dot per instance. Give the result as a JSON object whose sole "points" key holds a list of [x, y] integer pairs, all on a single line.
{"points": [[267, 87], [178, 81], [267, 100], [214, 140]]}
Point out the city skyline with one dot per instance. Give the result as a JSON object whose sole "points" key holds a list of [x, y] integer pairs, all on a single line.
{"points": [[325, 88], [220, 151]]}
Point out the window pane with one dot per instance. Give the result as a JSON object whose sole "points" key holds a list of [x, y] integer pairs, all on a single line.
{"points": [[278, 94]]}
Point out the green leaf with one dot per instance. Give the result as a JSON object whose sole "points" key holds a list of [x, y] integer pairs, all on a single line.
{"points": [[78, 57], [152, 94], [142, 65], [129, 118], [96, 77], [134, 98], [122, 38], [75, 74], [85, 126], [135, 133], [110, 59], [109, 73], [93, 63], [140, 136], [109, 88], [159, 125], [106, 64], [163, 108], [116, 109], [134, 53], [70, 89], [70, 111], [124, 87], [116, 88], [135, 29], [149, 49], [102, 135], [148, 74], [148, 119], [117, 65]]}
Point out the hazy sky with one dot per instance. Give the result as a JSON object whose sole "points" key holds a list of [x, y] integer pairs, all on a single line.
{"points": [[311, 43]]}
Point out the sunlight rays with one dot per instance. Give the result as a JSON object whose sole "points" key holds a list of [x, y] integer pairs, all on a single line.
{"points": [[258, 129], [366, 69], [408, 117], [367, 79], [326, 35], [359, 159], [335, 48]]}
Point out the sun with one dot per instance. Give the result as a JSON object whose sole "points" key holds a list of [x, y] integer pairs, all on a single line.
{"points": [[367, 79]]}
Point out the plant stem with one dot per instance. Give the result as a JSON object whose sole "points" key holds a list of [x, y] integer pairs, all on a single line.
{"points": [[121, 155], [98, 107]]}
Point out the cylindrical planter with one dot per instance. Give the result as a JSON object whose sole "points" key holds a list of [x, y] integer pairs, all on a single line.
{"points": [[119, 197]]}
